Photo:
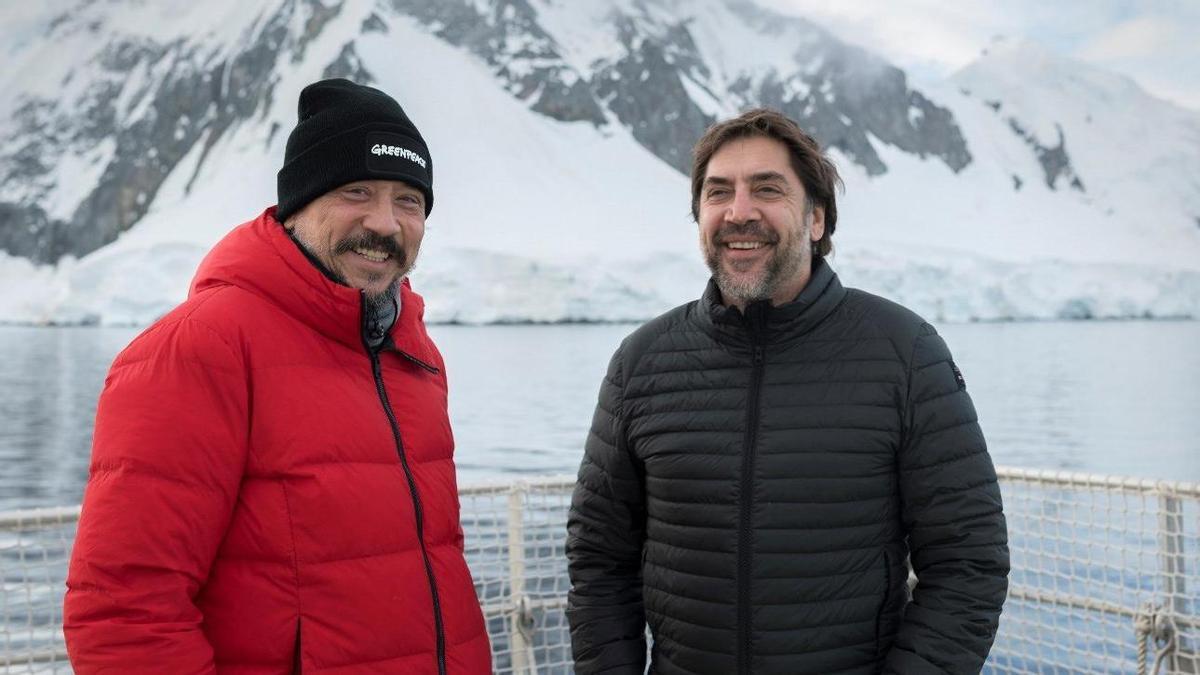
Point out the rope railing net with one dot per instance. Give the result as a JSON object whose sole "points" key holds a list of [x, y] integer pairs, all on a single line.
{"points": [[514, 539], [1106, 576], [34, 548]]}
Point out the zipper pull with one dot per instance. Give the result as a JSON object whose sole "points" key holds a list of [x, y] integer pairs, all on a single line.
{"points": [[758, 355]]}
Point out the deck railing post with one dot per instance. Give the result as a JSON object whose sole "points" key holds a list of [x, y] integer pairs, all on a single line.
{"points": [[1171, 551], [1171, 547], [518, 626]]}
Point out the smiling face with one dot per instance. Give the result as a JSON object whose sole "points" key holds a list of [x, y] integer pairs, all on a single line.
{"points": [[366, 233], [756, 230]]}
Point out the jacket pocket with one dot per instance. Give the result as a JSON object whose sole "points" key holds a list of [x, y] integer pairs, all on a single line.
{"points": [[297, 668]]}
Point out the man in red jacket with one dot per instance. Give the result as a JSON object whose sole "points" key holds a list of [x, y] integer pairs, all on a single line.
{"points": [[272, 486]]}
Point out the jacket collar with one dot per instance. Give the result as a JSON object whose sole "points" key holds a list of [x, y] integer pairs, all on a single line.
{"points": [[260, 257], [768, 323]]}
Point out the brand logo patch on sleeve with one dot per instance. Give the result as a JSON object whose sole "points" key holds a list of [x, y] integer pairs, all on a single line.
{"points": [[958, 376]]}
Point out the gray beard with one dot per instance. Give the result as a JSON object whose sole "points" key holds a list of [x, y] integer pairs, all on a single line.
{"points": [[378, 303], [745, 291], [783, 265], [379, 315]]}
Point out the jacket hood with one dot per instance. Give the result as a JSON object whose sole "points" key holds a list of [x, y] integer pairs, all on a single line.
{"points": [[259, 257]]}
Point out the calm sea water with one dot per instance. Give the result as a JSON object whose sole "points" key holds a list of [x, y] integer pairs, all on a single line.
{"points": [[1099, 397]]}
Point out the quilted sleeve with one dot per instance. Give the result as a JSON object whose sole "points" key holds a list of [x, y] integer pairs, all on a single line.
{"points": [[605, 533], [951, 507], [167, 460]]}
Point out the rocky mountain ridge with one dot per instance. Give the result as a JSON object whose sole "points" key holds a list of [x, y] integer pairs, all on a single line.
{"points": [[133, 111]]}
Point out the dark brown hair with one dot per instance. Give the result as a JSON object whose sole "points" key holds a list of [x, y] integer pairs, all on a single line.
{"points": [[816, 172]]}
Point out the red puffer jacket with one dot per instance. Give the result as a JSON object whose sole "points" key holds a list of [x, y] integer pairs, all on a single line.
{"points": [[268, 497]]}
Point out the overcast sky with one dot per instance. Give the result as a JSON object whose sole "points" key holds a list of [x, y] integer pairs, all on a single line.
{"points": [[1156, 42]]}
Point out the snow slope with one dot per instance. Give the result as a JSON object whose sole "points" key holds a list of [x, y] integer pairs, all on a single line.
{"points": [[540, 220]]}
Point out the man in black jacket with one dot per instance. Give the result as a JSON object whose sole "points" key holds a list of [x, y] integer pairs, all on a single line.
{"points": [[763, 461]]}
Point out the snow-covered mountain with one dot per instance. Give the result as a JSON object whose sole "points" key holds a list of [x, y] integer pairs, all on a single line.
{"points": [[135, 134]]}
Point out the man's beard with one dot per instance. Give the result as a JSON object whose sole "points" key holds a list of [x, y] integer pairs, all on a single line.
{"points": [[376, 303], [784, 262]]}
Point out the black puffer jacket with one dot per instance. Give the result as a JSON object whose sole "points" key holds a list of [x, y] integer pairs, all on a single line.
{"points": [[752, 485]]}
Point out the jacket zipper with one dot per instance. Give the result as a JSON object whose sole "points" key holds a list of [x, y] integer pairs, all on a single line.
{"points": [[887, 596], [377, 373], [745, 505], [297, 654]]}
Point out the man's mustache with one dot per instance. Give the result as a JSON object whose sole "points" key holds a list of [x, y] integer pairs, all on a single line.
{"points": [[372, 241], [753, 229]]}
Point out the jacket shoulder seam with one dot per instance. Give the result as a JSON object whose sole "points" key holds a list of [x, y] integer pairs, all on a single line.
{"points": [[183, 318]]}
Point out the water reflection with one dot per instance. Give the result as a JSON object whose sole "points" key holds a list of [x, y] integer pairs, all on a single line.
{"points": [[1102, 397], [49, 381]]}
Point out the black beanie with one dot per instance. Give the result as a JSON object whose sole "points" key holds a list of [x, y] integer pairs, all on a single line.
{"points": [[348, 132]]}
